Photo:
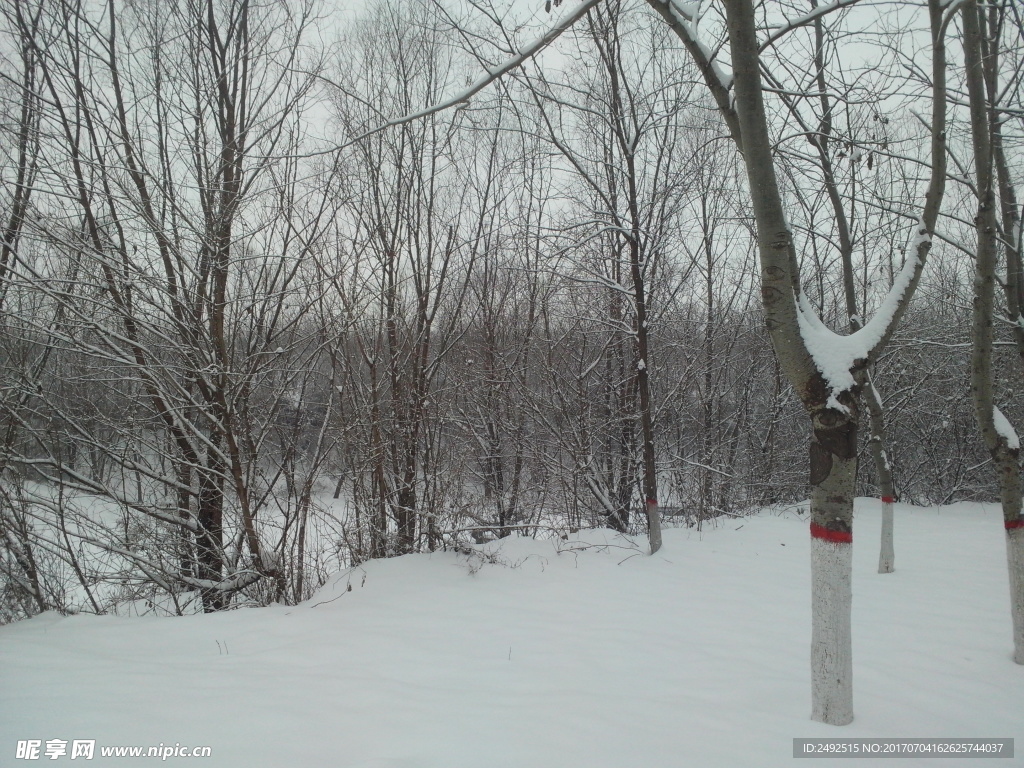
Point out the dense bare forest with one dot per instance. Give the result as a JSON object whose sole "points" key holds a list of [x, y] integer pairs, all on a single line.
{"points": [[256, 325]]}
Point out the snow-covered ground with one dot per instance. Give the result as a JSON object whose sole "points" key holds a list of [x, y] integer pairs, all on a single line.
{"points": [[585, 653]]}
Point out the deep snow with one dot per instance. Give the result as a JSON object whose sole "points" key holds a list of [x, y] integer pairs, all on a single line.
{"points": [[577, 653]]}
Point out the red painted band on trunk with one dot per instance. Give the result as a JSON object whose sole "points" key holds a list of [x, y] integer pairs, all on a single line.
{"points": [[1018, 523], [888, 499], [836, 537], [652, 502]]}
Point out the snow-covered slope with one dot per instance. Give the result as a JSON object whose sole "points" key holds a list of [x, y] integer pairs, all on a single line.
{"points": [[586, 653]]}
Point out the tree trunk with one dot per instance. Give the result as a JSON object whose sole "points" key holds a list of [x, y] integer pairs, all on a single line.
{"points": [[833, 479], [876, 444], [833, 454], [998, 434], [209, 538], [650, 477]]}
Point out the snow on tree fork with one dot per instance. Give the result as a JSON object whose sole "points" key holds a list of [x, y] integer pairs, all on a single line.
{"points": [[831, 601]]}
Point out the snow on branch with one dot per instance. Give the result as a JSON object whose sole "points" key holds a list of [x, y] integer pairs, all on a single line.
{"points": [[686, 13], [835, 355], [493, 73], [822, 10], [683, 17], [1005, 429]]}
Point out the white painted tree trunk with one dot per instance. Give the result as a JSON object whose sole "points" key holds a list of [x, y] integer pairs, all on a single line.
{"points": [[1015, 561], [654, 524], [831, 646], [887, 552], [876, 409]]}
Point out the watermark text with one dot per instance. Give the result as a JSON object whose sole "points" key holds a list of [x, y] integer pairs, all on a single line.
{"points": [[86, 749]]}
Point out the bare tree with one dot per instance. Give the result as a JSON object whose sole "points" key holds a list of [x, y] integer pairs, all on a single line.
{"points": [[982, 28], [827, 384], [826, 370], [621, 138], [425, 214], [162, 128]]}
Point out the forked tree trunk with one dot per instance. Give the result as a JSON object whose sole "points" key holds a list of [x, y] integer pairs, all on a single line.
{"points": [[999, 436], [876, 441], [832, 405], [833, 463]]}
